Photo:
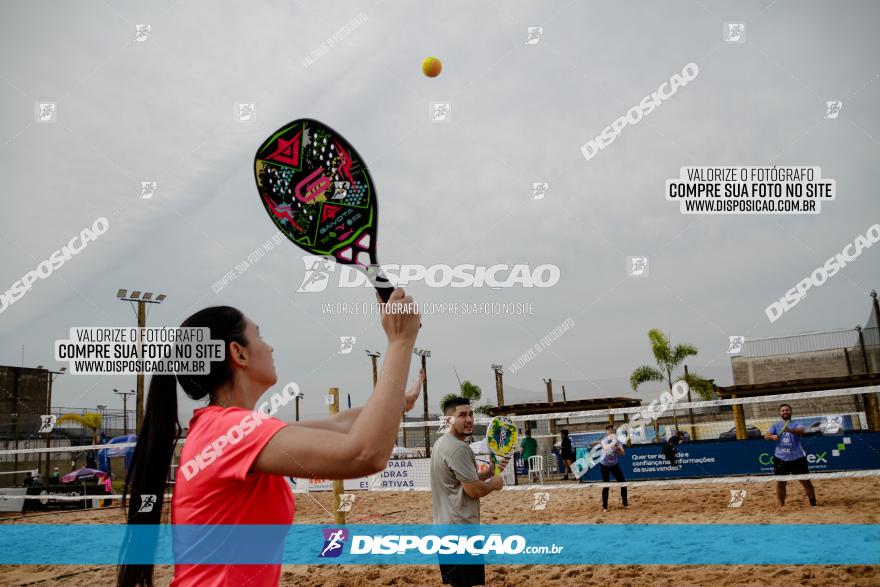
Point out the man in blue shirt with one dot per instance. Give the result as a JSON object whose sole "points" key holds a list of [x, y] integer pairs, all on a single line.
{"points": [[608, 465], [789, 457]]}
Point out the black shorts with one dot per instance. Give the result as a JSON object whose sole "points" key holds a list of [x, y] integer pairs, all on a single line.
{"points": [[462, 575], [795, 467]]}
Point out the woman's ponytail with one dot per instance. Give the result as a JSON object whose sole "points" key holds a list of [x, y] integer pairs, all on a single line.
{"points": [[147, 476]]}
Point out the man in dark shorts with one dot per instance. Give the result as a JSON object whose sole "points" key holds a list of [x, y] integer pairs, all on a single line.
{"points": [[456, 486], [789, 458]]}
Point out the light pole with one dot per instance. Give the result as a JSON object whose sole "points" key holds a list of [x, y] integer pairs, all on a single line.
{"points": [[124, 395], [424, 354], [374, 356], [499, 382], [142, 302], [101, 408]]}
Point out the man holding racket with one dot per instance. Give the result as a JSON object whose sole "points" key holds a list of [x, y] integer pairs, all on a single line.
{"points": [[608, 465], [789, 457], [456, 486]]}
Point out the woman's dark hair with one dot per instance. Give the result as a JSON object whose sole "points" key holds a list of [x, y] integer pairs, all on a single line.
{"points": [[160, 431]]}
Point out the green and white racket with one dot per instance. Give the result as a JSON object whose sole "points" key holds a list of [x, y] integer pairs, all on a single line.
{"points": [[501, 438]]}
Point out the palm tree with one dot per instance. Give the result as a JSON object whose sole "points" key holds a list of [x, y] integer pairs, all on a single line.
{"points": [[668, 359], [91, 421]]}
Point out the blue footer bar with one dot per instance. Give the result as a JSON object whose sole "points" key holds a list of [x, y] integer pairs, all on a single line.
{"points": [[568, 544]]}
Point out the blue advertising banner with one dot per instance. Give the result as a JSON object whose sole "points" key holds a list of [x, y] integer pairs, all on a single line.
{"points": [[562, 544], [854, 451]]}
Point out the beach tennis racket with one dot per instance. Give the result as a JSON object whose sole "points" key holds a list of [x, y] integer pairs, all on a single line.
{"points": [[318, 191], [784, 429], [501, 438]]}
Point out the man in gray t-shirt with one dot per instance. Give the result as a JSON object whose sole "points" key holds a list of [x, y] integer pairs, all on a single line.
{"points": [[456, 486]]}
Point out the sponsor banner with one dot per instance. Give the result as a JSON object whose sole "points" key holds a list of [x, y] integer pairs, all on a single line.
{"points": [[71, 490], [399, 474], [562, 544], [403, 474], [853, 451], [12, 499], [300, 485]]}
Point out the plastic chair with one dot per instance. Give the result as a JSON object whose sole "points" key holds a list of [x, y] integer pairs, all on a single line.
{"points": [[536, 465]]}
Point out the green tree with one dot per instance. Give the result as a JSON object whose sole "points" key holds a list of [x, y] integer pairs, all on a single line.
{"points": [[668, 360], [91, 421]]}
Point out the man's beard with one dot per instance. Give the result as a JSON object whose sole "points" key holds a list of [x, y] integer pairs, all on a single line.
{"points": [[787, 418]]}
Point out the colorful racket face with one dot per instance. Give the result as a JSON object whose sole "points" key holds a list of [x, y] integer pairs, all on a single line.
{"points": [[318, 191], [501, 438]]}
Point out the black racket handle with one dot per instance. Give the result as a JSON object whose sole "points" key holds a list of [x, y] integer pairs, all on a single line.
{"points": [[382, 284]]}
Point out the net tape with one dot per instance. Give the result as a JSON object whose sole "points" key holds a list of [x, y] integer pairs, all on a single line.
{"points": [[545, 487], [701, 404], [553, 416]]}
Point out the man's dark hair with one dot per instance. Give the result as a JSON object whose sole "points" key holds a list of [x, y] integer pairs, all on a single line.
{"points": [[785, 406], [450, 404], [528, 431], [609, 427]]}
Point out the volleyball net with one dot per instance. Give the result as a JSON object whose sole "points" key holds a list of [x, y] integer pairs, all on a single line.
{"points": [[722, 439], [723, 443]]}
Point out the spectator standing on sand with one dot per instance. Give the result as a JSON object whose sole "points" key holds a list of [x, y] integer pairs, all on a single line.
{"points": [[529, 447], [568, 454], [608, 465]]}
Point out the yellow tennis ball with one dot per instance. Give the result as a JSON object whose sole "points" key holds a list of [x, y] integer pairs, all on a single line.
{"points": [[431, 66]]}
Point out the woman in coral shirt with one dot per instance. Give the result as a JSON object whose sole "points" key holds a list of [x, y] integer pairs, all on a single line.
{"points": [[235, 459]]}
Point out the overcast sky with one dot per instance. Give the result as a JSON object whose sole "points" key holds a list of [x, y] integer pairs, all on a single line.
{"points": [[456, 192]]}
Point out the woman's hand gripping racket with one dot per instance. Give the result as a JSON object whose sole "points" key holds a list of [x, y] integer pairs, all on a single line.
{"points": [[319, 193], [501, 438]]}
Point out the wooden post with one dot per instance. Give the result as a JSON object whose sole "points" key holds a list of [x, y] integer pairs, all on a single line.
{"points": [[425, 407], [740, 419], [690, 410], [338, 486]]}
